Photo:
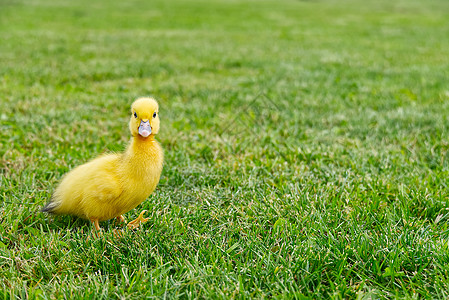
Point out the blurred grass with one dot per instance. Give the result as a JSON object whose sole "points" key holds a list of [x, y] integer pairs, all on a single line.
{"points": [[305, 143]]}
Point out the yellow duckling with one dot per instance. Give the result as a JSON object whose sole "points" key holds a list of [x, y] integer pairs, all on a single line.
{"points": [[113, 184]]}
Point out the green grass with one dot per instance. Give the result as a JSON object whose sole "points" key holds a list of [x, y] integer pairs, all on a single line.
{"points": [[306, 147]]}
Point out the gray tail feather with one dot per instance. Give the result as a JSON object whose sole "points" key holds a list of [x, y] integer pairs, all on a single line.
{"points": [[49, 207]]}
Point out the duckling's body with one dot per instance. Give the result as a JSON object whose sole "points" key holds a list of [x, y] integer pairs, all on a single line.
{"points": [[111, 185]]}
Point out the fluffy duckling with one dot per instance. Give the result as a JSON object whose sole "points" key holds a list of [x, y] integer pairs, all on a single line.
{"points": [[112, 184]]}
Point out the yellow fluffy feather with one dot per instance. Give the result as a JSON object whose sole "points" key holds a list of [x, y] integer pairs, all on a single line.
{"points": [[113, 184]]}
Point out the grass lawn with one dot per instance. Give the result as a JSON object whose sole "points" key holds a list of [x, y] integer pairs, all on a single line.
{"points": [[306, 147]]}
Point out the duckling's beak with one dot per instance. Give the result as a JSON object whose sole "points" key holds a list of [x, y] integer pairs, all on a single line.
{"points": [[145, 128]]}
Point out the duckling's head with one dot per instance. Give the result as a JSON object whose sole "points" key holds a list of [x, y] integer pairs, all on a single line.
{"points": [[144, 117]]}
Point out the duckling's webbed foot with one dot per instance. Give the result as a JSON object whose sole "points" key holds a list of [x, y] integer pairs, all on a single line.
{"points": [[139, 220], [118, 233]]}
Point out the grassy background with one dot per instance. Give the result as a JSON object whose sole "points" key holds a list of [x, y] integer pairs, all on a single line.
{"points": [[306, 146]]}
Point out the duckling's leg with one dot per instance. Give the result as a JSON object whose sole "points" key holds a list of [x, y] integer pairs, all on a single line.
{"points": [[136, 223], [117, 232], [96, 225]]}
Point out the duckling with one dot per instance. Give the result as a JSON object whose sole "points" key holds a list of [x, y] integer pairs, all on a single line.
{"points": [[113, 184]]}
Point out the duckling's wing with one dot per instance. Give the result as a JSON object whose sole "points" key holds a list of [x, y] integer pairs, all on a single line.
{"points": [[89, 190], [100, 189]]}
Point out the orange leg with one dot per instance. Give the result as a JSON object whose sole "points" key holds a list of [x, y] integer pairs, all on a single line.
{"points": [[121, 218], [96, 225], [136, 223]]}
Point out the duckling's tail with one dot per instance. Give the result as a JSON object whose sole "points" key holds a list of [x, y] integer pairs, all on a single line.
{"points": [[50, 207]]}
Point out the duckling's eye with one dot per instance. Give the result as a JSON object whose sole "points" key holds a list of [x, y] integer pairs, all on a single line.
{"points": [[135, 115], [154, 115]]}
